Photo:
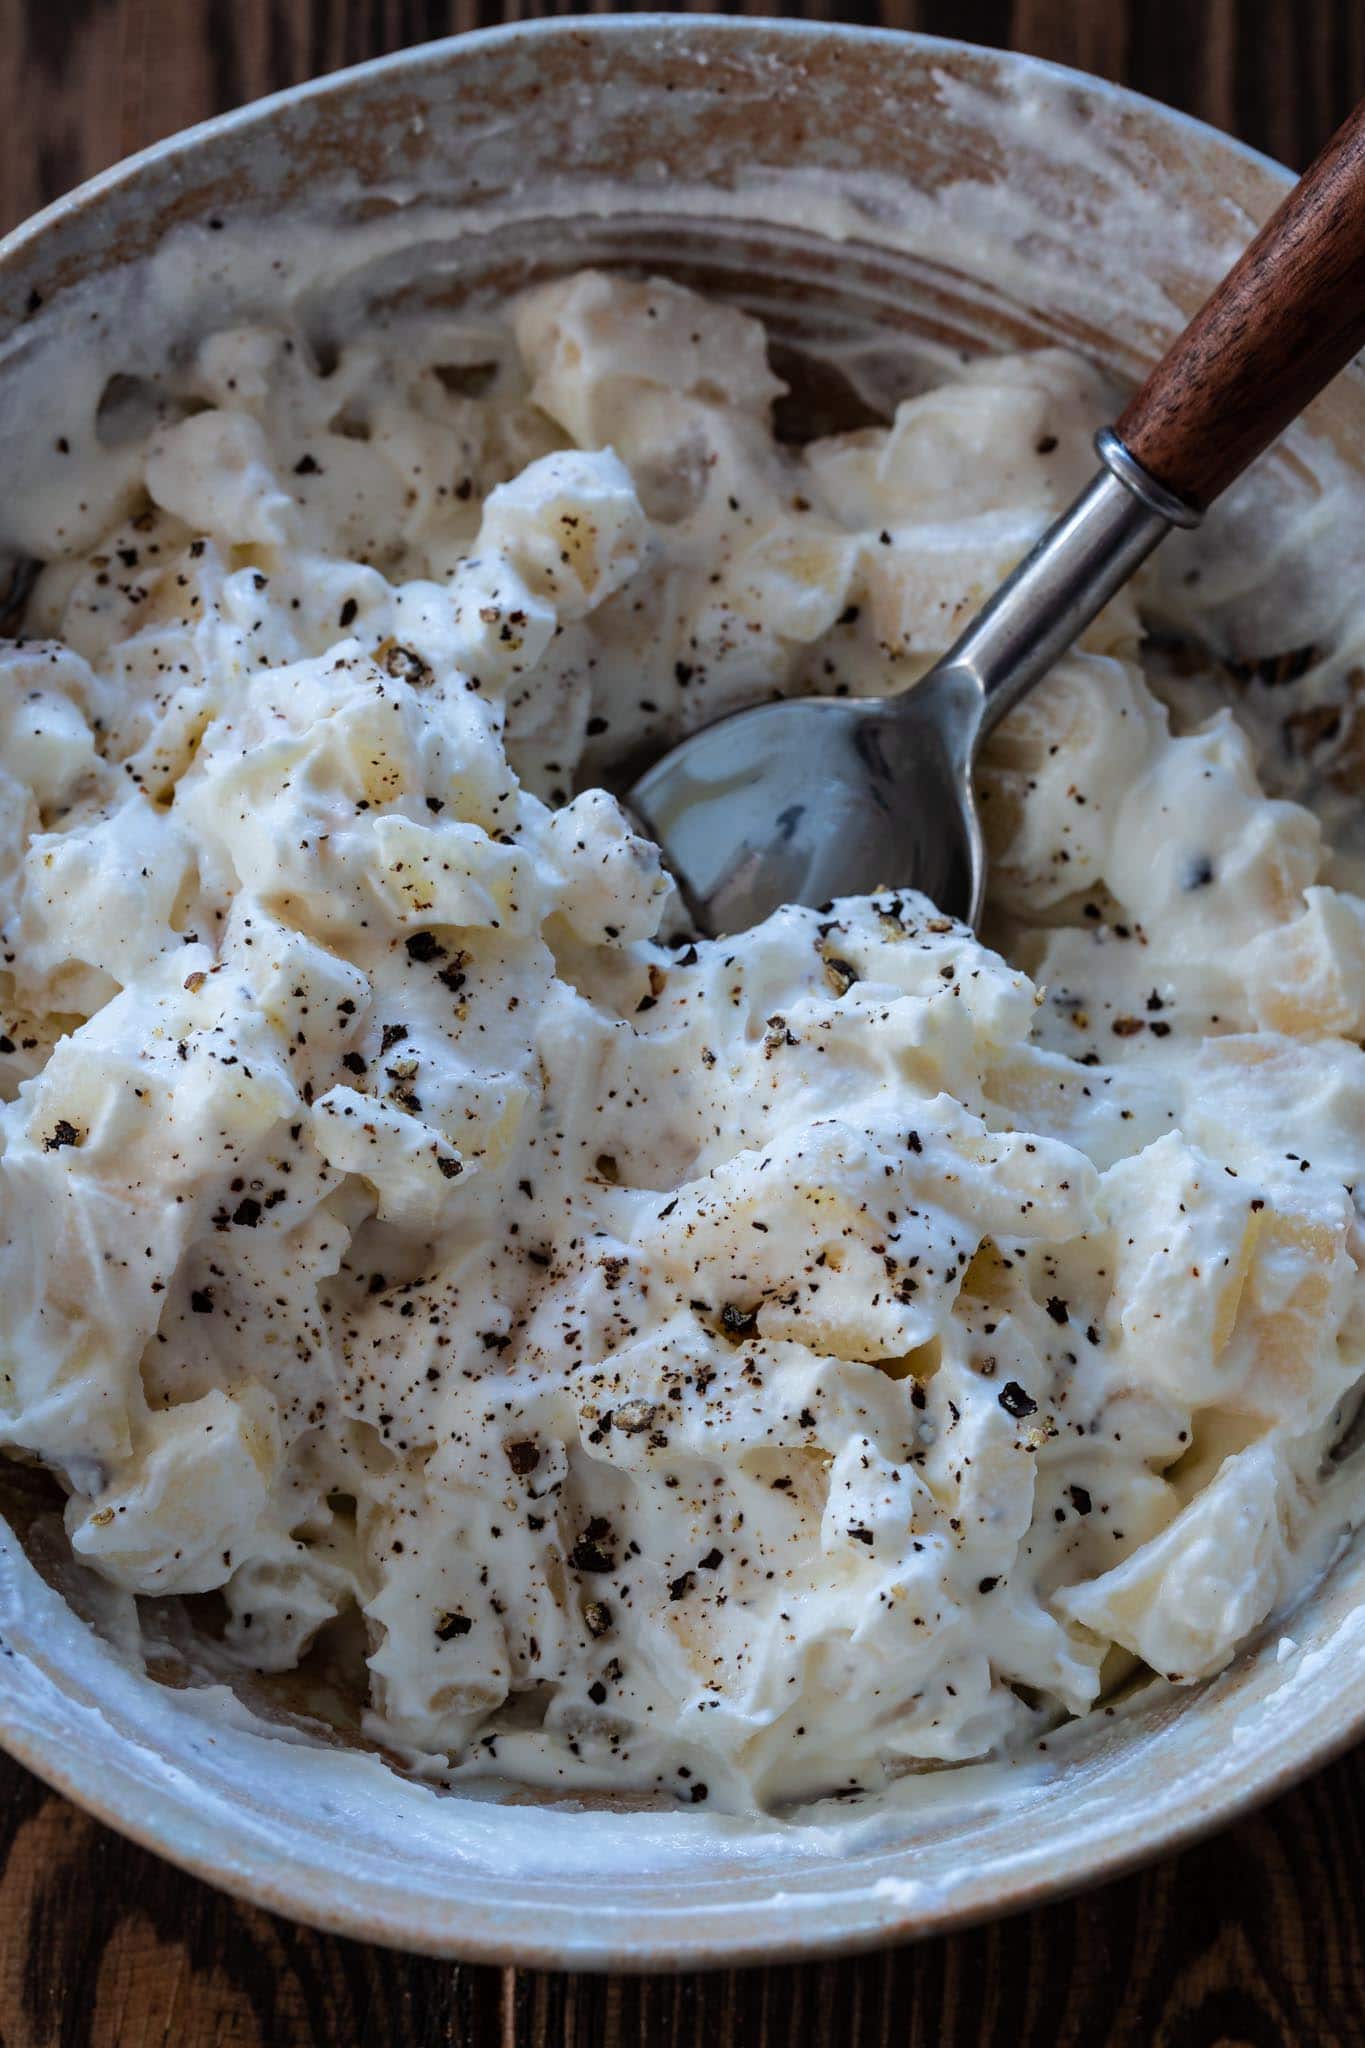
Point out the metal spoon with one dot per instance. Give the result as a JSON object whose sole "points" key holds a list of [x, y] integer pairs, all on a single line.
{"points": [[817, 797]]}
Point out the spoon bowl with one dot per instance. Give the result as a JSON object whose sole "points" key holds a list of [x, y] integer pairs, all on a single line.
{"points": [[804, 800], [814, 798]]}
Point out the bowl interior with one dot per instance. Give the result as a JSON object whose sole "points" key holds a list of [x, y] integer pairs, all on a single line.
{"points": [[886, 203]]}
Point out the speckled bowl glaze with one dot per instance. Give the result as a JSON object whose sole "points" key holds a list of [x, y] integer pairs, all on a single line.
{"points": [[888, 193]]}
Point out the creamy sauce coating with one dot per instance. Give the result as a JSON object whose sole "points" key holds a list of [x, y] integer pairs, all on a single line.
{"points": [[750, 1369]]}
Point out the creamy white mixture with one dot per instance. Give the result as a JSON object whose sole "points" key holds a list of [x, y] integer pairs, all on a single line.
{"points": [[751, 1368]]}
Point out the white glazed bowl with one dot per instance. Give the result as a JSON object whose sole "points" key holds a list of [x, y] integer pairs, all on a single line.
{"points": [[905, 193]]}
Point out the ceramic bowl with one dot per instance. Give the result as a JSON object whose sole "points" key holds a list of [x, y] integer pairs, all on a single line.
{"points": [[884, 200]]}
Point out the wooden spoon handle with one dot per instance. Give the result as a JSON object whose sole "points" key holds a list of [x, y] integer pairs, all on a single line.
{"points": [[1285, 319]]}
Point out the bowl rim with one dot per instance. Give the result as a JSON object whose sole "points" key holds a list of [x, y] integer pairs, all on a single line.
{"points": [[301, 1893], [605, 27], [156, 1819]]}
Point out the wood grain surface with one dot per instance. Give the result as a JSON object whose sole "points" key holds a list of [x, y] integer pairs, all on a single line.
{"points": [[1258, 1936], [1287, 317]]}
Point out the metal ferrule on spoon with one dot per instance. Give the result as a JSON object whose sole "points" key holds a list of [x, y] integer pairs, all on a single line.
{"points": [[1069, 574]]}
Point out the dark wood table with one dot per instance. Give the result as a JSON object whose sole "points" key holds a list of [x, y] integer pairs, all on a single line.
{"points": [[1257, 1936]]}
